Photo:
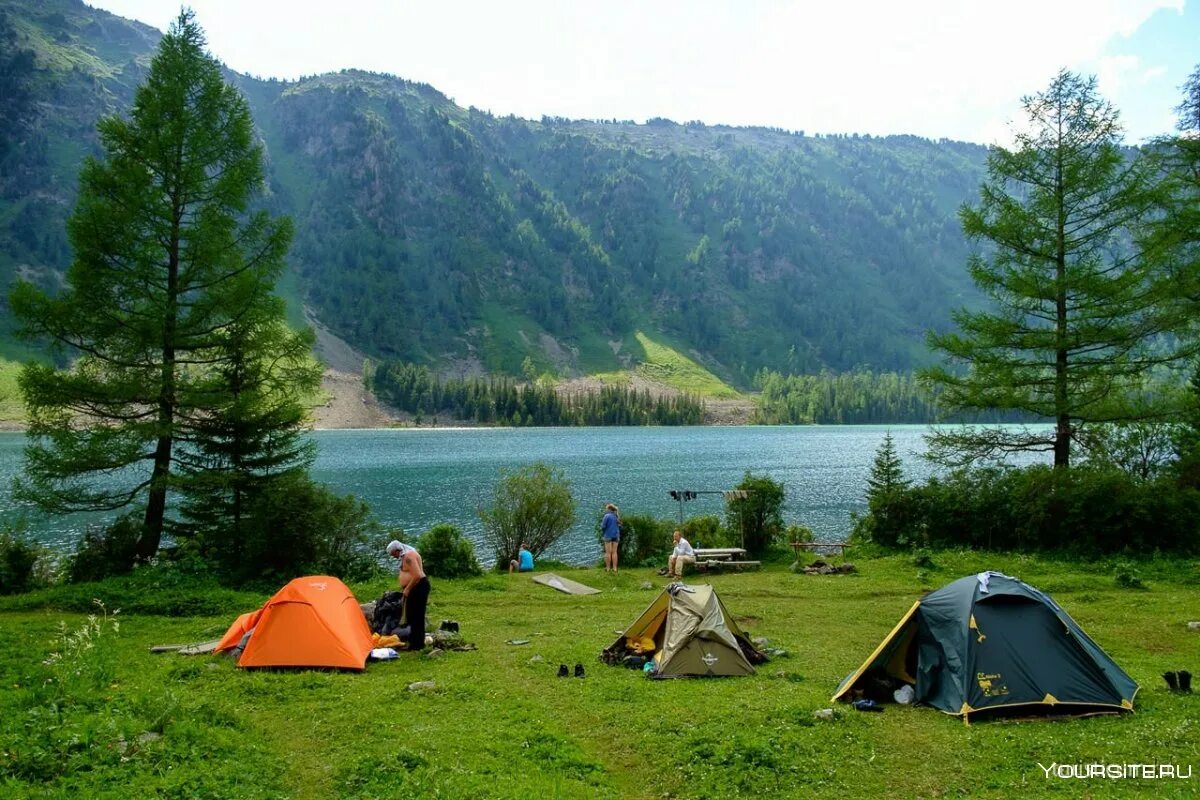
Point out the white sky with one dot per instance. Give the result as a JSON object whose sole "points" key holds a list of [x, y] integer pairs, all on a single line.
{"points": [[929, 67]]}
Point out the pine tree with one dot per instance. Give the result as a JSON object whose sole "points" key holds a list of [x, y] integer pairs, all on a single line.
{"points": [[252, 433], [167, 257], [1187, 435], [1080, 302], [887, 472], [1179, 222]]}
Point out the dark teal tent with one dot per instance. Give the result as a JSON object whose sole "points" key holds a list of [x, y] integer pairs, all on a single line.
{"points": [[990, 643]]}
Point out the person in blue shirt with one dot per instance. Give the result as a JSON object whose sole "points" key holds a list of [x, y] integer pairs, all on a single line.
{"points": [[610, 531], [523, 562]]}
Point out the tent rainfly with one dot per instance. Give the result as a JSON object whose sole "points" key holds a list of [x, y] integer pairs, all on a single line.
{"points": [[311, 622], [989, 643], [689, 633]]}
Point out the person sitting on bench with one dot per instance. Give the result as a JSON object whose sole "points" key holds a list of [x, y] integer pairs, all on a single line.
{"points": [[682, 554]]}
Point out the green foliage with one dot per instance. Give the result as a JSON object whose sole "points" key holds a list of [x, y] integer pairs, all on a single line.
{"points": [[429, 230], [73, 677], [165, 589], [90, 709], [446, 553], [706, 531], [922, 557], [1144, 449], [1187, 436], [644, 540], [758, 517], [253, 437], [667, 365], [11, 408], [887, 520], [296, 526], [798, 533], [533, 505], [106, 551], [887, 471], [167, 257], [1089, 510], [1177, 224], [415, 389], [1127, 576], [23, 562], [851, 398], [1082, 305]]}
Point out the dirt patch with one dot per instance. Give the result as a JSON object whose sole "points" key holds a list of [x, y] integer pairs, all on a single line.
{"points": [[349, 404], [335, 352]]}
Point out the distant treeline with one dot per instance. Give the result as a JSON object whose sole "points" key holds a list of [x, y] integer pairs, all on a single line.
{"points": [[500, 401], [858, 398], [850, 398]]}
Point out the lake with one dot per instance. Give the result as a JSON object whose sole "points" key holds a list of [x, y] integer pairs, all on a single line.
{"points": [[415, 478]]}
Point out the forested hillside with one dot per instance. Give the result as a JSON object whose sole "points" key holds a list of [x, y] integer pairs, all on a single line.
{"points": [[434, 234]]}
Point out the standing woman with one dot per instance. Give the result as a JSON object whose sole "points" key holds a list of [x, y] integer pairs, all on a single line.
{"points": [[610, 528]]}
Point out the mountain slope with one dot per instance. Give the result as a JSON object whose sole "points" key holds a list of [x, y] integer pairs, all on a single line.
{"points": [[444, 235]]}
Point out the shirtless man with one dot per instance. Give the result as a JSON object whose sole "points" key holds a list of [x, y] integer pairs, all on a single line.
{"points": [[415, 585]]}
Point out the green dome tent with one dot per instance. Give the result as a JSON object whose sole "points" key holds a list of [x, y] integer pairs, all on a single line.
{"points": [[687, 632], [990, 643]]}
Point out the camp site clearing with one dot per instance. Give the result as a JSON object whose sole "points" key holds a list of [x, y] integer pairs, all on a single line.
{"points": [[115, 720]]}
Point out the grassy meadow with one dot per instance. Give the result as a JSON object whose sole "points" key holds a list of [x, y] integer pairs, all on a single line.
{"points": [[106, 718]]}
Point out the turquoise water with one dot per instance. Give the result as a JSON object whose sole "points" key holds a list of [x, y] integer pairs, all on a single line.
{"points": [[416, 478]]}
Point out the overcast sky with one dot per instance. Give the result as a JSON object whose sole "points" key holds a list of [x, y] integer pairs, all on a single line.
{"points": [[952, 68]]}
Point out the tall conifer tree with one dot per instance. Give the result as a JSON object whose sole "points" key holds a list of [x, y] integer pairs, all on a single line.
{"points": [[251, 433], [168, 256], [1080, 301]]}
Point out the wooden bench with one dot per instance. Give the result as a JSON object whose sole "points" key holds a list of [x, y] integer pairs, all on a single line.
{"points": [[707, 553], [721, 558], [814, 546]]}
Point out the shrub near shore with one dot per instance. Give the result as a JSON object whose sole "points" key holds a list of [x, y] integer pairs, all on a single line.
{"points": [[136, 721]]}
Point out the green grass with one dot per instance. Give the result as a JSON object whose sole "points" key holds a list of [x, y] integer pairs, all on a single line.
{"points": [[11, 407], [117, 721], [660, 363], [509, 338], [595, 354], [666, 365]]}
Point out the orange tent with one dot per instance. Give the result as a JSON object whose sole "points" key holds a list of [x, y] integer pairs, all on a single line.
{"points": [[311, 622]]}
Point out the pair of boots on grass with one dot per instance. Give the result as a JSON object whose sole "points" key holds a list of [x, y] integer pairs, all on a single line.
{"points": [[1178, 681], [564, 673]]}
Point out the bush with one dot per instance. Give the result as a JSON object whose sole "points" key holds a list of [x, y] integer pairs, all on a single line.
{"points": [[531, 505], [1127, 576], [299, 527], [798, 533], [106, 552], [923, 558], [23, 564], [446, 553], [1087, 510], [758, 517], [644, 539], [706, 531], [161, 589]]}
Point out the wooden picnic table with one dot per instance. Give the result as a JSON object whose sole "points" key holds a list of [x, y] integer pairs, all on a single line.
{"points": [[722, 558]]}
